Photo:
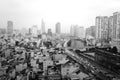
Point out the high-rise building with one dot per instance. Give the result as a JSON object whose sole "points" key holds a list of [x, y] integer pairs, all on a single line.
{"points": [[10, 27], [77, 31], [101, 28], [98, 27], [34, 31], [43, 27], [110, 28], [49, 32], [116, 25], [30, 31], [58, 28], [105, 27]]}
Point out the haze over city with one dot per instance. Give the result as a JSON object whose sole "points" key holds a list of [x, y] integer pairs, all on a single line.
{"points": [[59, 39], [26, 13]]}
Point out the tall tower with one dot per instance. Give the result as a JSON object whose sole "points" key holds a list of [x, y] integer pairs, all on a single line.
{"points": [[9, 27], [43, 26], [58, 28]]}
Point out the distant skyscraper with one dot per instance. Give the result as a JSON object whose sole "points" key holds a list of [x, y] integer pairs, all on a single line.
{"points": [[34, 31], [10, 27], [43, 26], [49, 32], [58, 28]]}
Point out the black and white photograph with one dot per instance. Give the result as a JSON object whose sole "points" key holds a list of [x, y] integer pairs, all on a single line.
{"points": [[59, 39]]}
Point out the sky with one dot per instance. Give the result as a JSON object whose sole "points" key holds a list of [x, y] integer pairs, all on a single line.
{"points": [[26, 13]]}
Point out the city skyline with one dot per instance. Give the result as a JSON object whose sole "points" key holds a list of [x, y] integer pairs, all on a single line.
{"points": [[25, 13]]}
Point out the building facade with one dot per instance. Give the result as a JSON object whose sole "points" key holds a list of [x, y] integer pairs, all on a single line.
{"points": [[116, 25], [58, 28], [116, 30], [101, 28], [34, 31], [10, 27], [91, 31], [110, 28], [49, 32], [30, 31]]}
